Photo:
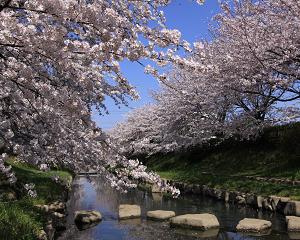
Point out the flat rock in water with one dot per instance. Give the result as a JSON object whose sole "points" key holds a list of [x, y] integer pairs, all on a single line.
{"points": [[253, 225], [86, 217], [203, 221], [160, 215], [293, 223], [127, 211]]}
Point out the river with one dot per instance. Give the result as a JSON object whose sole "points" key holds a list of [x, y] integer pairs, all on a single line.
{"points": [[95, 195]]}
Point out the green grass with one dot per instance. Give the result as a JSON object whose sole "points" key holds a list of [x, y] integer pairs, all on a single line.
{"points": [[235, 184], [274, 154], [20, 219]]}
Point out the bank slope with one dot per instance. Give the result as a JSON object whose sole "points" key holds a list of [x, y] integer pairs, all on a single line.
{"points": [[266, 166], [19, 219]]}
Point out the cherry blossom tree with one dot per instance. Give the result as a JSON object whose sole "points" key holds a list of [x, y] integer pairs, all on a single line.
{"points": [[58, 61], [257, 45], [186, 112], [246, 78]]}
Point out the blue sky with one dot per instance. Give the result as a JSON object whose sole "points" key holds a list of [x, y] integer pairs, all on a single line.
{"points": [[185, 15]]}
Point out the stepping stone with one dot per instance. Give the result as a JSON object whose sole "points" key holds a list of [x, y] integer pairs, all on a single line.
{"points": [[203, 221], [86, 217], [127, 211], [253, 225], [293, 223], [160, 215]]}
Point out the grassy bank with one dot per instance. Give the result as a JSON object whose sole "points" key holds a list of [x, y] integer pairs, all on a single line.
{"points": [[19, 219], [275, 154]]}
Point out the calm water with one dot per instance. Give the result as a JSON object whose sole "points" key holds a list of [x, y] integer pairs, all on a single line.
{"points": [[95, 195]]}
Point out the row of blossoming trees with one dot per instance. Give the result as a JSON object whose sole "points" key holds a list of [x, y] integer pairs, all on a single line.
{"points": [[246, 78], [59, 59]]}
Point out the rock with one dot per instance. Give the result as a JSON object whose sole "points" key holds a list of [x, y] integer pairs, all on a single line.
{"points": [[57, 207], [42, 235], [210, 192], [160, 215], [251, 200], [58, 215], [253, 225], [227, 197], [218, 194], [86, 217], [282, 204], [127, 211], [44, 208], [274, 202], [259, 201], [232, 196], [59, 221], [53, 207], [50, 231], [203, 221], [11, 196], [8, 196], [205, 190], [156, 189], [293, 223], [241, 200], [292, 208], [197, 189], [267, 205]]}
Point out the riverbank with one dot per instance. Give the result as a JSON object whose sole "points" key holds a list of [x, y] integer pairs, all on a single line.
{"points": [[19, 216], [270, 165]]}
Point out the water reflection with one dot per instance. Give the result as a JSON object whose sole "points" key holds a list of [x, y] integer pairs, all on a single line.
{"points": [[96, 195]]}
